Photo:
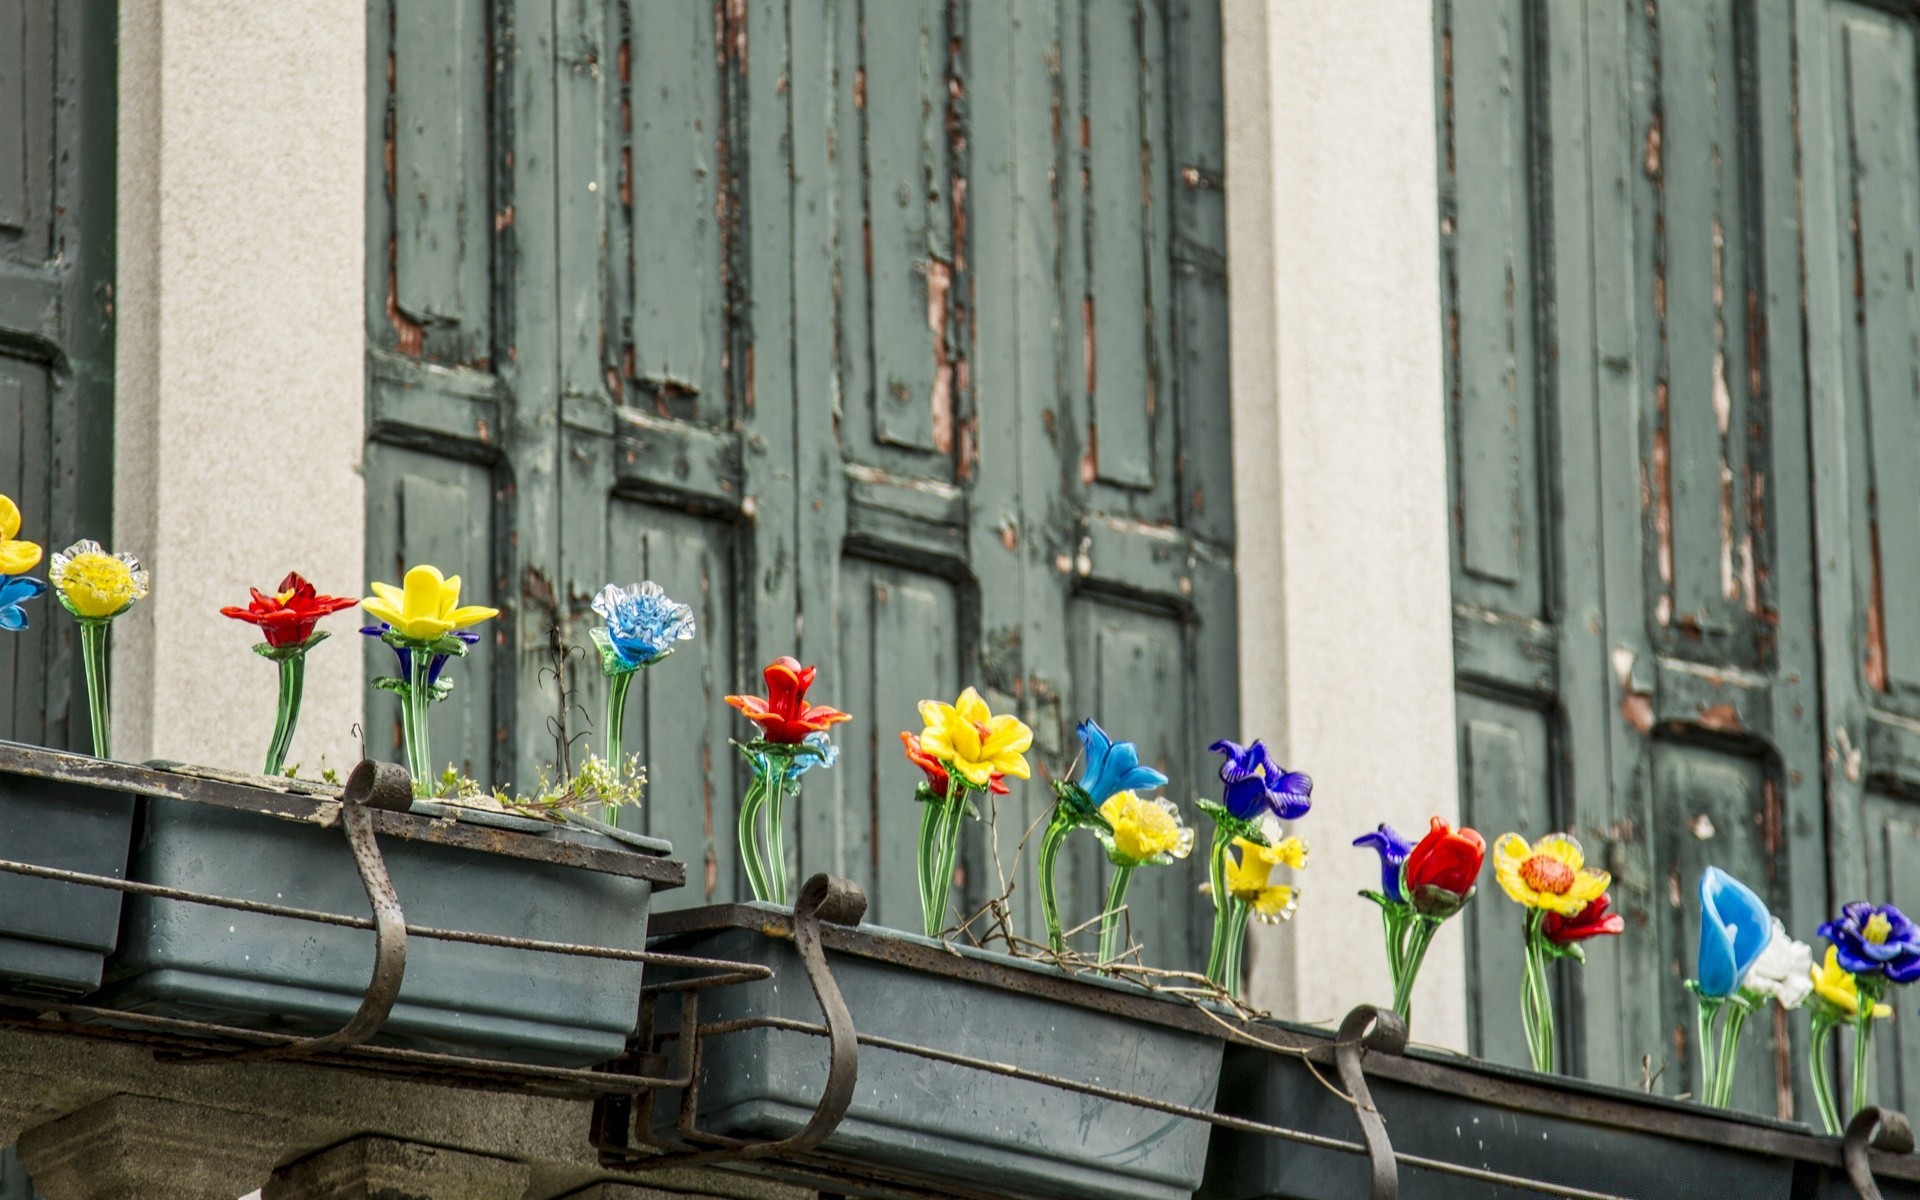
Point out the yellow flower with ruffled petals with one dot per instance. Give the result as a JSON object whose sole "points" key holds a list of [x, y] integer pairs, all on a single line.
{"points": [[1250, 877], [1549, 874], [427, 607], [93, 584], [16, 557], [974, 742], [1146, 830], [1837, 986]]}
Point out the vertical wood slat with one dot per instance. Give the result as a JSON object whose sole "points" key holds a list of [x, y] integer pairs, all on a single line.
{"points": [[16, 111]]}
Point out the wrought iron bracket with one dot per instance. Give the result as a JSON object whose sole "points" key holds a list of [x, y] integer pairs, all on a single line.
{"points": [[822, 898], [1383, 1032], [389, 958], [1873, 1129]]}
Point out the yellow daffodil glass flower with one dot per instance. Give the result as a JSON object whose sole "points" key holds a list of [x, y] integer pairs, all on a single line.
{"points": [[1250, 877], [427, 607], [973, 741], [1838, 987], [1146, 830], [1550, 874], [16, 557], [93, 584]]}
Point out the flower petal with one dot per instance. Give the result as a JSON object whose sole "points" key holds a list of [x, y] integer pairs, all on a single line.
{"points": [[1563, 848], [972, 708], [421, 592]]}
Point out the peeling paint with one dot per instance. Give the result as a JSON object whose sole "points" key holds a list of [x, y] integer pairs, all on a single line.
{"points": [[1876, 657], [939, 280], [1722, 718], [1651, 162]]}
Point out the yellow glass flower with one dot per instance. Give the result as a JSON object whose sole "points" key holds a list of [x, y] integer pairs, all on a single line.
{"points": [[428, 607], [973, 741], [1550, 874], [93, 584], [1837, 986], [1146, 830], [1250, 877], [16, 557]]}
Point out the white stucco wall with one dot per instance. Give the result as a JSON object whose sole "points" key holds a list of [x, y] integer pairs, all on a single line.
{"points": [[1340, 469], [239, 410]]}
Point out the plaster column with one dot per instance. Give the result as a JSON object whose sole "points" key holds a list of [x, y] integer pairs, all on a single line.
{"points": [[130, 1147], [1340, 469], [239, 405], [376, 1168]]}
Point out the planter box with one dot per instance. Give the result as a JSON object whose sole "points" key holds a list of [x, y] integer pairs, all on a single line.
{"points": [[55, 936], [199, 962], [1555, 1130], [921, 1121]]}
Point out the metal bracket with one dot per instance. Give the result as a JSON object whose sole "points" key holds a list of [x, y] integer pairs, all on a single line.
{"points": [[1876, 1129], [1382, 1031], [821, 898], [389, 958]]}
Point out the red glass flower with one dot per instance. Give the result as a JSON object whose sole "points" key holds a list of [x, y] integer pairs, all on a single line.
{"points": [[784, 716], [1446, 858], [1592, 921], [288, 616], [936, 772]]}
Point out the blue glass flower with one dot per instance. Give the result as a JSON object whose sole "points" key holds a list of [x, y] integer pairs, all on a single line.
{"points": [[1875, 939], [438, 662], [1735, 928], [1255, 785], [13, 590], [800, 764], [1112, 766], [1393, 850], [642, 626]]}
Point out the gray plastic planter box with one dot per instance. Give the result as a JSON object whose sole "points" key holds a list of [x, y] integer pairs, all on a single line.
{"points": [[1552, 1129], [923, 1121], [189, 960], [55, 936]]}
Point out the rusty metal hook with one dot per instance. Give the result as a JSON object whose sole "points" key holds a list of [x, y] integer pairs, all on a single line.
{"points": [[821, 898], [1876, 1129], [389, 957], [1384, 1032]]}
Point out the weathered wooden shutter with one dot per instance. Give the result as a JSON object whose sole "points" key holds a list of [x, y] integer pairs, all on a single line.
{"points": [[57, 116], [1634, 576], [889, 334]]}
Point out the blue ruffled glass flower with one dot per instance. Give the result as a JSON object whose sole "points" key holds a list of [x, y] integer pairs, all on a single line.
{"points": [[1393, 850], [642, 624], [1112, 766], [14, 589], [1735, 928], [1256, 786], [800, 764], [1875, 939]]}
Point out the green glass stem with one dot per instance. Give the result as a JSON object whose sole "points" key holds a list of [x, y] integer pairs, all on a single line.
{"points": [[1706, 1009], [1419, 935], [1058, 827], [1820, 1067], [1727, 1061], [1223, 914], [747, 835], [952, 816], [617, 687], [774, 853], [413, 721], [933, 901], [1536, 996], [293, 680], [1238, 922], [1862, 1051], [1110, 920], [93, 650]]}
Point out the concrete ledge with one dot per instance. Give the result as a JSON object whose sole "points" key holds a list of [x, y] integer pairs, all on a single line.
{"points": [[374, 1168], [129, 1147]]}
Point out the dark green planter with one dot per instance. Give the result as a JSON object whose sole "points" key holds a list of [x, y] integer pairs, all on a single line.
{"points": [[922, 1121], [54, 937], [203, 963], [1556, 1130]]}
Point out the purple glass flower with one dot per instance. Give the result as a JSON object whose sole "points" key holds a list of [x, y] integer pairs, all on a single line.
{"points": [[1875, 939], [435, 666], [1255, 785], [1393, 850]]}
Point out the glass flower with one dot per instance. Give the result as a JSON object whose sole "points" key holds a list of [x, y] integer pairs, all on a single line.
{"points": [[1144, 831], [426, 607], [973, 741], [16, 557], [784, 716], [936, 774], [1250, 877], [1784, 971], [436, 663], [642, 625], [1550, 875], [15, 589], [1256, 786], [1112, 766], [1591, 922], [1735, 928], [1836, 985], [1875, 939], [95, 585], [800, 764], [288, 616], [1393, 850]]}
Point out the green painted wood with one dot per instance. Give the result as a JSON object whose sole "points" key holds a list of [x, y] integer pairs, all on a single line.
{"points": [[57, 213], [780, 317]]}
